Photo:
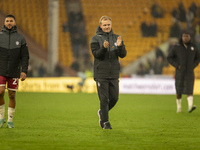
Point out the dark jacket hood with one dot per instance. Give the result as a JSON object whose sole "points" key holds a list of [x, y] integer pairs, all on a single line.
{"points": [[6, 30], [181, 42], [99, 31]]}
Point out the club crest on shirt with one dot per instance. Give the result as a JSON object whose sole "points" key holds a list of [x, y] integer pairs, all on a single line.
{"points": [[192, 48], [17, 42]]}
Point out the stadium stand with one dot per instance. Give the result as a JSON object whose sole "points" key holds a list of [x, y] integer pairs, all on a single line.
{"points": [[127, 16], [32, 17]]}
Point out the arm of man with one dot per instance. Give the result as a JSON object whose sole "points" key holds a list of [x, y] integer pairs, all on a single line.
{"points": [[97, 50], [172, 57], [197, 58], [24, 58], [121, 48]]}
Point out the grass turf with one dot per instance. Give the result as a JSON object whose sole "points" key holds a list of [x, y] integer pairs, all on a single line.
{"points": [[69, 121]]}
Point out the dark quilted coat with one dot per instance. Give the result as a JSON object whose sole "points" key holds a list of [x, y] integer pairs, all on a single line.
{"points": [[106, 61], [187, 58], [14, 55]]}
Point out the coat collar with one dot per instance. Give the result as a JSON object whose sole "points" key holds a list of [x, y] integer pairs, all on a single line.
{"points": [[6, 30]]}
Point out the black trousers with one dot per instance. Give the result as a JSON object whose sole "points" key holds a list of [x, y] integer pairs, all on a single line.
{"points": [[108, 92]]}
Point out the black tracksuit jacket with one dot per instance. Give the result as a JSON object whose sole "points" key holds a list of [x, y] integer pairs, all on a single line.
{"points": [[106, 60], [14, 55]]}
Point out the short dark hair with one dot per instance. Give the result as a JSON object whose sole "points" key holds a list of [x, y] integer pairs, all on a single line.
{"points": [[185, 32], [11, 16]]}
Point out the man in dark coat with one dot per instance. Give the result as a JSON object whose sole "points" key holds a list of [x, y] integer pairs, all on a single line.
{"points": [[14, 60], [107, 47], [184, 56]]}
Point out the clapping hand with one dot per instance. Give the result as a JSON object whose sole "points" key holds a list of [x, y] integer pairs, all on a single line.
{"points": [[105, 44], [119, 41]]}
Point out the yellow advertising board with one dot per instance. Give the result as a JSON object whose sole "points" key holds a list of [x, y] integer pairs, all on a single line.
{"points": [[71, 84], [58, 84], [197, 87]]}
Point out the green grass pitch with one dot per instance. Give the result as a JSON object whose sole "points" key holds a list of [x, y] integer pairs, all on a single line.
{"points": [[69, 121]]}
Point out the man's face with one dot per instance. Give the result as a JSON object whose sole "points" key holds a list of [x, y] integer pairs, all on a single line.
{"points": [[185, 38], [9, 22], [106, 26]]}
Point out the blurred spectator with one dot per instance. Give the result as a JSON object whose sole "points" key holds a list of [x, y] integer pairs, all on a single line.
{"points": [[75, 65], [149, 66], [77, 32], [197, 41], [175, 14], [182, 12], [193, 8], [41, 71], [85, 52], [170, 45], [141, 70], [76, 43], [152, 29], [175, 30], [197, 36], [189, 18], [144, 29], [198, 11], [158, 65], [157, 11], [159, 53], [58, 71], [82, 74], [191, 30], [65, 27], [149, 30]]}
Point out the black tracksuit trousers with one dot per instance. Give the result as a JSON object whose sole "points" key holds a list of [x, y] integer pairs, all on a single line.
{"points": [[108, 92]]}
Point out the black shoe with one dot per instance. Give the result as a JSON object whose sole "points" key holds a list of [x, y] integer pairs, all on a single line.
{"points": [[107, 125], [100, 121], [193, 108]]}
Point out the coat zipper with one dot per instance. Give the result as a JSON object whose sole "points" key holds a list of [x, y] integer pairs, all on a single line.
{"points": [[109, 56], [8, 53]]}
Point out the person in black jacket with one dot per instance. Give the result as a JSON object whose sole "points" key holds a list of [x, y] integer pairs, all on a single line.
{"points": [[14, 59], [184, 56], [107, 47]]}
